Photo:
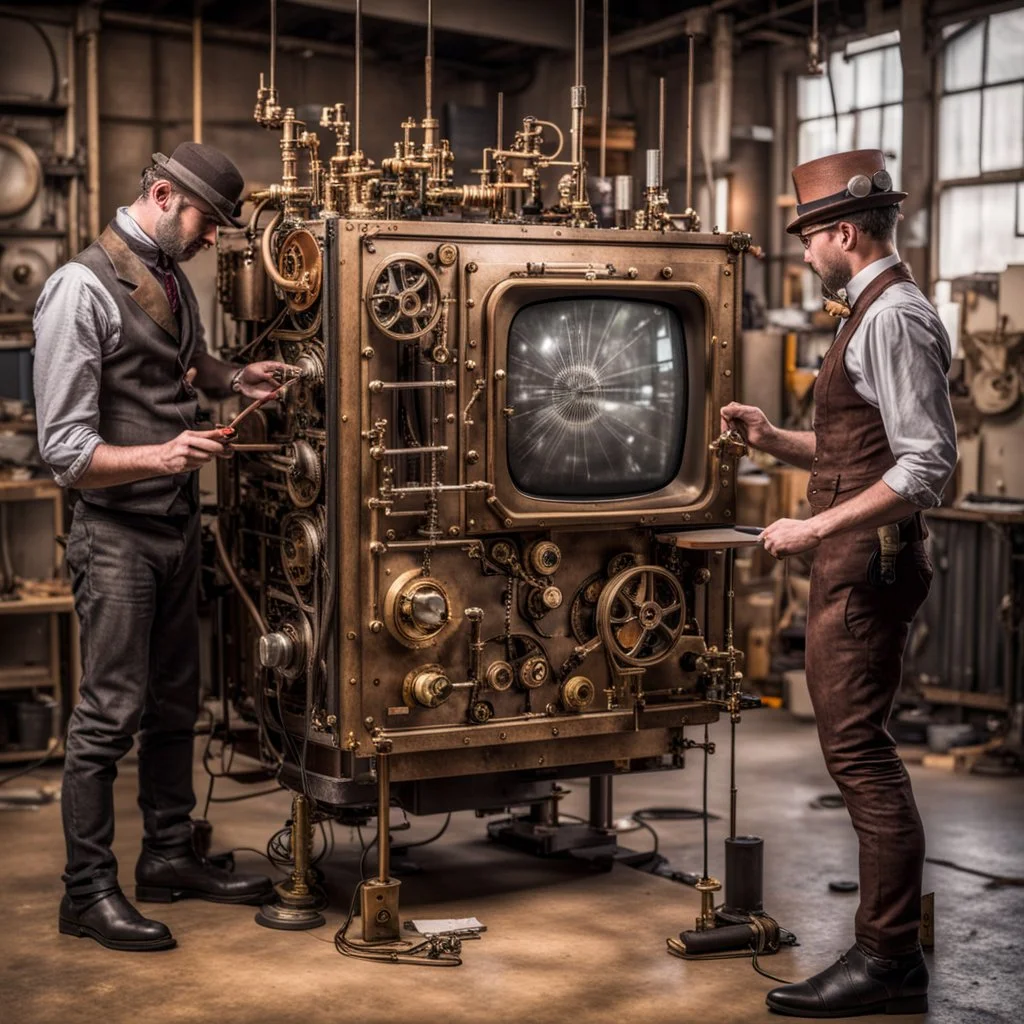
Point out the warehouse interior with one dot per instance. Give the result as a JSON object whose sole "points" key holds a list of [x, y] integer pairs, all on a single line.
{"points": [[402, 604]]}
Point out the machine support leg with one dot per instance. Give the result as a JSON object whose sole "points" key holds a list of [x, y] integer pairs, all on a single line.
{"points": [[601, 802], [379, 896], [298, 904]]}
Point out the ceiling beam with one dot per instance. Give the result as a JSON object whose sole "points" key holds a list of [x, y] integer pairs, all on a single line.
{"points": [[533, 22]]}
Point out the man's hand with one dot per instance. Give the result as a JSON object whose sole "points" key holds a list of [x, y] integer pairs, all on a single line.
{"points": [[750, 421], [259, 379], [790, 537], [192, 449]]}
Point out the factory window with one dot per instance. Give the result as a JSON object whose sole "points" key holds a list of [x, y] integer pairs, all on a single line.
{"points": [[981, 146], [856, 104]]}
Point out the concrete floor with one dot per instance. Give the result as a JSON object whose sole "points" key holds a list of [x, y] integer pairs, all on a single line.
{"points": [[562, 943]]}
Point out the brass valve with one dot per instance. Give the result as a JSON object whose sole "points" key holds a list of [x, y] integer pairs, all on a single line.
{"points": [[730, 444]]}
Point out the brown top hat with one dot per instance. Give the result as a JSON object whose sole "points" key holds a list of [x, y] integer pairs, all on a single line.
{"points": [[830, 186]]}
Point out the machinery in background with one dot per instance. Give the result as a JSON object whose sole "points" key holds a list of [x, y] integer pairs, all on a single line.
{"points": [[483, 540]]}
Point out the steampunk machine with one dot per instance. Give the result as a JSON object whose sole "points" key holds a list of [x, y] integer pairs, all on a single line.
{"points": [[483, 539]]}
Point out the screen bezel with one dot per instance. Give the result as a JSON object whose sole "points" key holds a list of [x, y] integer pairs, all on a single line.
{"points": [[686, 490]]}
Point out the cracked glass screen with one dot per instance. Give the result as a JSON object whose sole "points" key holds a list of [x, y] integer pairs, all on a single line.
{"points": [[599, 392]]}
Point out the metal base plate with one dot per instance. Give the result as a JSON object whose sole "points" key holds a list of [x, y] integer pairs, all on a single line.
{"points": [[547, 840], [283, 917]]}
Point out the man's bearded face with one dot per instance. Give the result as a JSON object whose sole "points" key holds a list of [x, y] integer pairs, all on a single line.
{"points": [[179, 236]]}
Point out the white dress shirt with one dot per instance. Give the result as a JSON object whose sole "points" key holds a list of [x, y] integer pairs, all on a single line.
{"points": [[897, 360]]}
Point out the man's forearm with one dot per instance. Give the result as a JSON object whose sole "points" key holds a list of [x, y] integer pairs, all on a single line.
{"points": [[212, 375], [795, 447], [876, 506], [114, 464]]}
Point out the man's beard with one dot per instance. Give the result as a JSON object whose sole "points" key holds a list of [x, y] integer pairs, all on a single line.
{"points": [[834, 272], [170, 235]]}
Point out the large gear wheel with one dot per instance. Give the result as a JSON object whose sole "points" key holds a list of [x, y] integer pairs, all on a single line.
{"points": [[640, 615], [403, 298]]}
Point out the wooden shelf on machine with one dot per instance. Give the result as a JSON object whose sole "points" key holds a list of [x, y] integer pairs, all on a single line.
{"points": [[714, 539]]}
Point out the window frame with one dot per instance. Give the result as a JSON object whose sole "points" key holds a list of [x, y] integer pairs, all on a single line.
{"points": [[1003, 176]]}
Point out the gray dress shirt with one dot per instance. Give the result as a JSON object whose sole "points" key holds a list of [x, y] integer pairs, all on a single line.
{"points": [[897, 360], [76, 324]]}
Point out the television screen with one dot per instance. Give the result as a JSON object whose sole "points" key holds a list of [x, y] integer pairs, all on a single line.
{"points": [[599, 388]]}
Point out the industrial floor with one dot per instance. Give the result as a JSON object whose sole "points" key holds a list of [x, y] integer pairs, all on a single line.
{"points": [[563, 943]]}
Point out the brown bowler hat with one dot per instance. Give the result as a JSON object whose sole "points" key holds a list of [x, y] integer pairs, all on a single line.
{"points": [[830, 186]]}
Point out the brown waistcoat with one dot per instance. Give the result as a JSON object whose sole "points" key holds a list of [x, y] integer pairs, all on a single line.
{"points": [[851, 447]]}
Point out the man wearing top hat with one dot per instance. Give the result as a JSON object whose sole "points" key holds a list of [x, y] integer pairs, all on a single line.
{"points": [[119, 344], [882, 449]]}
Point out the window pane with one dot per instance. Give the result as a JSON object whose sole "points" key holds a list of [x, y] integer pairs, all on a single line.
{"points": [[1005, 47], [962, 59], [847, 133], [812, 96], [892, 141], [869, 129], [869, 79], [976, 230], [816, 138], [892, 77], [959, 128], [842, 82], [1002, 144]]}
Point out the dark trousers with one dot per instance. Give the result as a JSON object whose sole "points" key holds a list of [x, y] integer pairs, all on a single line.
{"points": [[856, 634], [135, 581]]}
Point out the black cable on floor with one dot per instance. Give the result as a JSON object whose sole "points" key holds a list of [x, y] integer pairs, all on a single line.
{"points": [[33, 766], [995, 880]]}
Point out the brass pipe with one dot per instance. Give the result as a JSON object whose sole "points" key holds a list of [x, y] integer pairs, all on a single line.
{"points": [[661, 132], [197, 79], [300, 846], [604, 91], [358, 121], [383, 808], [273, 46], [268, 258], [92, 130], [71, 143], [689, 129]]}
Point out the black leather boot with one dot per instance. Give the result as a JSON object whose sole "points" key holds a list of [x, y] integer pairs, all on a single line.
{"points": [[113, 922], [163, 879], [856, 984]]}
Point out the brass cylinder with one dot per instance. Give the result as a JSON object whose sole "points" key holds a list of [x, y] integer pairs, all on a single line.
{"points": [[300, 845], [252, 297]]}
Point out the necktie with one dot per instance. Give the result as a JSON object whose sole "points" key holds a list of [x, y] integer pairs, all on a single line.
{"points": [[165, 271]]}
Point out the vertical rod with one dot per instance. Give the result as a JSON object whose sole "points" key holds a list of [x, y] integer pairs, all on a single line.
{"points": [[300, 845], [732, 780], [501, 121], [689, 129], [197, 78], [604, 91], [429, 63], [273, 45], [383, 815], [92, 129], [71, 142], [357, 124], [601, 802], [661, 132], [578, 74], [704, 807]]}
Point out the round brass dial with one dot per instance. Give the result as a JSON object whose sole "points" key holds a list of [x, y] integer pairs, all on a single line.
{"points": [[305, 475], [417, 609], [427, 686], [577, 693]]}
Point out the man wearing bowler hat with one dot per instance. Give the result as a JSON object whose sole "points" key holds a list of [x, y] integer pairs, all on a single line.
{"points": [[119, 345], [882, 449]]}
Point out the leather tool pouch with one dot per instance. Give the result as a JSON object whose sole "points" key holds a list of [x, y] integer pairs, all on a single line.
{"points": [[882, 563]]}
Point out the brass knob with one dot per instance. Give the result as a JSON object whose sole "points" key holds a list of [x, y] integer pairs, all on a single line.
{"points": [[427, 686], [533, 672], [577, 693], [276, 650], [500, 675]]}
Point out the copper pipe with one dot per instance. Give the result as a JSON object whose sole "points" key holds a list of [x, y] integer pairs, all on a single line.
{"points": [[273, 46], [229, 569], [197, 79], [92, 130]]}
